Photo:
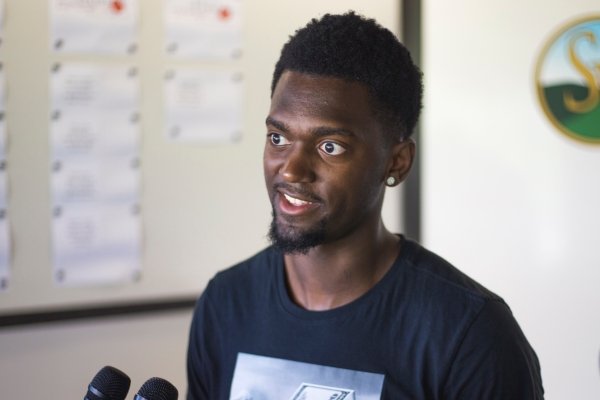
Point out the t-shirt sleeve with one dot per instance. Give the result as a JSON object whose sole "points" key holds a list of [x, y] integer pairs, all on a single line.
{"points": [[198, 369], [494, 360]]}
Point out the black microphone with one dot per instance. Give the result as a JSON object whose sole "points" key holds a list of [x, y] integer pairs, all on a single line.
{"points": [[157, 389], [108, 384]]}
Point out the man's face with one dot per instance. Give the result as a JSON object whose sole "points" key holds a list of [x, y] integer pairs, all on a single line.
{"points": [[324, 161]]}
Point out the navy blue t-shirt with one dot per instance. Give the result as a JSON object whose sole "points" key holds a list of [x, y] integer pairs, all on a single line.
{"points": [[424, 331]]}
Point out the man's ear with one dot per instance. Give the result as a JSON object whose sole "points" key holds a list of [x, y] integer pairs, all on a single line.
{"points": [[401, 160]]}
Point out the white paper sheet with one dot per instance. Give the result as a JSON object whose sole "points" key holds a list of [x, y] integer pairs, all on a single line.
{"points": [[203, 105], [94, 138], [2, 112], [78, 87], [4, 225], [99, 26], [94, 134], [99, 180], [203, 29], [2, 23], [88, 250]]}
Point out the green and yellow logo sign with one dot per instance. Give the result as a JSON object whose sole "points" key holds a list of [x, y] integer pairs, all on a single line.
{"points": [[568, 80]]}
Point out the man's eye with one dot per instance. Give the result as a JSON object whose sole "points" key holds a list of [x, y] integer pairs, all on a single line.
{"points": [[332, 148], [277, 139]]}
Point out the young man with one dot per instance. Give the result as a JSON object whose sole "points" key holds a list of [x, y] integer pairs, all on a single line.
{"points": [[339, 307]]}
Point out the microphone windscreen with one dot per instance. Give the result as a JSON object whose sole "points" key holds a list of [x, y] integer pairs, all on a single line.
{"points": [[108, 384], [157, 389]]}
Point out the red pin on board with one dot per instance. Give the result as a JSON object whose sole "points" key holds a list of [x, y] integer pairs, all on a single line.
{"points": [[224, 13], [117, 6]]}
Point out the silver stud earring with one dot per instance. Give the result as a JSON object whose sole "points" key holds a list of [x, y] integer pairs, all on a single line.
{"points": [[390, 181]]}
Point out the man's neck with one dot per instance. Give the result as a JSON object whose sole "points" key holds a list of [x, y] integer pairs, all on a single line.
{"points": [[334, 274]]}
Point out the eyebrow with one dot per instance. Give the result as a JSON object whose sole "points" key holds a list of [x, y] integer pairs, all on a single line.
{"points": [[277, 124], [319, 131]]}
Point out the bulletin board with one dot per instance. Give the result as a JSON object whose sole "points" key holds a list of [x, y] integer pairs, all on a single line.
{"points": [[202, 203]]}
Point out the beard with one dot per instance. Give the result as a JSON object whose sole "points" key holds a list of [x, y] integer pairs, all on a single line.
{"points": [[293, 240]]}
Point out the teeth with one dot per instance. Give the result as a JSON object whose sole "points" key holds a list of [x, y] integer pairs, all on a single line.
{"points": [[295, 201]]}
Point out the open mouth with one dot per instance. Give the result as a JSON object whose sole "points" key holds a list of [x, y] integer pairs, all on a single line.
{"points": [[291, 205], [296, 202]]}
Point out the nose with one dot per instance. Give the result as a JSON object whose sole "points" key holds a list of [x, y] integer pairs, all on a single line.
{"points": [[298, 166]]}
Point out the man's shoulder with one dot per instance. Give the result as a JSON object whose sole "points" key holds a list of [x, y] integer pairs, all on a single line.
{"points": [[434, 293], [438, 273], [475, 329]]}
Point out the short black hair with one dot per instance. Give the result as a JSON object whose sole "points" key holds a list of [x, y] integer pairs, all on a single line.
{"points": [[354, 48]]}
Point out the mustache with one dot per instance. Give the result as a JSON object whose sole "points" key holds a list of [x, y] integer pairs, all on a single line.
{"points": [[297, 190]]}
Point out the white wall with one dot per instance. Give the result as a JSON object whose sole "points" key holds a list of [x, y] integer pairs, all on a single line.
{"points": [[58, 360], [507, 198]]}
